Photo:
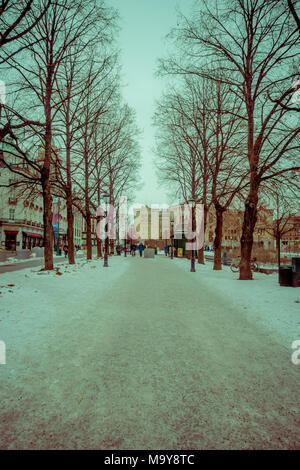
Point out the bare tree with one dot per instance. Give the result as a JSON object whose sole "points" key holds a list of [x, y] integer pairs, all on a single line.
{"points": [[99, 92], [14, 25], [282, 195], [227, 159], [201, 147], [17, 19], [252, 42], [291, 5], [117, 156], [183, 145], [73, 88], [45, 48]]}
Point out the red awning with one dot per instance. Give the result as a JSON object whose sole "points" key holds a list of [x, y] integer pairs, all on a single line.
{"points": [[14, 232], [33, 235]]}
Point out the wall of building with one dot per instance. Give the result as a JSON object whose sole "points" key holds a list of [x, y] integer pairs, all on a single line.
{"points": [[21, 218], [232, 228]]}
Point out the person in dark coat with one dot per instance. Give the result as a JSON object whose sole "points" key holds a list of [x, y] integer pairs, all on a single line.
{"points": [[66, 250], [141, 248]]}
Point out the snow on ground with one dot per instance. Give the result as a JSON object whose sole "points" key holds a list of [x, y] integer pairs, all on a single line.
{"points": [[263, 300], [138, 356], [30, 293], [12, 260]]}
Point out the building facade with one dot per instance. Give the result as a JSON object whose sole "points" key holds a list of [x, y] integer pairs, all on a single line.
{"points": [[21, 217], [232, 229]]}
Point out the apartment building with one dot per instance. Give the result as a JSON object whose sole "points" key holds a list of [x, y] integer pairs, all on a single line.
{"points": [[232, 228], [21, 216]]}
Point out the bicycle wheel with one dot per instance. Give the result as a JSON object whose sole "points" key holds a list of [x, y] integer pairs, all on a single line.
{"points": [[254, 266], [235, 266]]}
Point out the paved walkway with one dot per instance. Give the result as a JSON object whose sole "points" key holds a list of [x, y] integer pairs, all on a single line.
{"points": [[158, 362], [33, 263]]}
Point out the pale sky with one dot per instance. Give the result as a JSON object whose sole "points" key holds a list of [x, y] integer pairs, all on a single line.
{"points": [[144, 25]]}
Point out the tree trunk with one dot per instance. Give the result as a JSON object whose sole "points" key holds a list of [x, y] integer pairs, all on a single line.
{"points": [[87, 208], [88, 234], [278, 250], [250, 217], [47, 217], [70, 219], [201, 256], [70, 216], [45, 180], [99, 248], [218, 238], [201, 259]]}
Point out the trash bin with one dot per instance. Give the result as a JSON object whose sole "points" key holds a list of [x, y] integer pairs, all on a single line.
{"points": [[148, 253], [285, 276], [296, 272]]}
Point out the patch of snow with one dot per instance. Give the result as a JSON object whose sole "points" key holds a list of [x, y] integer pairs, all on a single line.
{"points": [[263, 300], [32, 301]]}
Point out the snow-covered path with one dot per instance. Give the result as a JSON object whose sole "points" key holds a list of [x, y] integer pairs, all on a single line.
{"points": [[146, 356]]}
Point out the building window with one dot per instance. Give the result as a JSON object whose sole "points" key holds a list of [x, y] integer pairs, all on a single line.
{"points": [[11, 214]]}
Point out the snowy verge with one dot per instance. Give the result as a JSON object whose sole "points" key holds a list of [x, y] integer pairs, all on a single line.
{"points": [[32, 301], [263, 300], [32, 257]]}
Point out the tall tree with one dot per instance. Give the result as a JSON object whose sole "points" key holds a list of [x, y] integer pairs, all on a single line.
{"points": [[45, 48], [17, 19], [253, 42]]}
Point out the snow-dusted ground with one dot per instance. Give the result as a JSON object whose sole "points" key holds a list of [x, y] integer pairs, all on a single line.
{"points": [[263, 300], [32, 299], [12, 260], [146, 355]]}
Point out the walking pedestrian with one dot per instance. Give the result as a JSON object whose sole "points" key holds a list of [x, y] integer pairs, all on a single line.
{"points": [[66, 250], [141, 249]]}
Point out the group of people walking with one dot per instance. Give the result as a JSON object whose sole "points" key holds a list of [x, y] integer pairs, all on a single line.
{"points": [[134, 247]]}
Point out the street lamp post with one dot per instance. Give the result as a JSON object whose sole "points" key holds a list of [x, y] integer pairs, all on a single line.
{"points": [[172, 239], [106, 199], [192, 203]]}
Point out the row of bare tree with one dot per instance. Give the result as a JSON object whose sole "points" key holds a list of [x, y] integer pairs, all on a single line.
{"points": [[65, 129], [228, 126]]}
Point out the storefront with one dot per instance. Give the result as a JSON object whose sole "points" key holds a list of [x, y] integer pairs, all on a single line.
{"points": [[30, 240], [11, 239], [62, 239], [59, 240]]}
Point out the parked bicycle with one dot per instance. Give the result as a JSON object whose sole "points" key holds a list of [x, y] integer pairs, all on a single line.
{"points": [[235, 265]]}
